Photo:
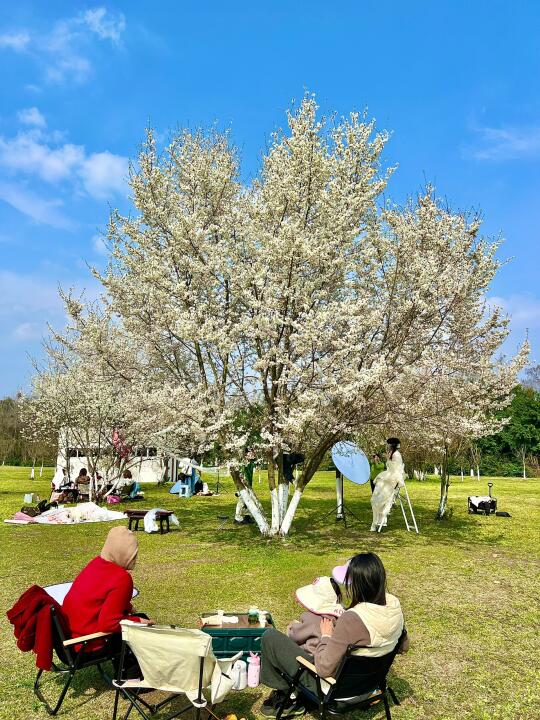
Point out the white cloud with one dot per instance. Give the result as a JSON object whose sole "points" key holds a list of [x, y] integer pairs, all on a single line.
{"points": [[28, 303], [46, 212], [510, 143], [70, 66], [48, 158], [31, 116], [25, 294], [63, 52], [28, 331], [104, 174], [25, 153], [106, 27], [15, 41], [98, 243]]}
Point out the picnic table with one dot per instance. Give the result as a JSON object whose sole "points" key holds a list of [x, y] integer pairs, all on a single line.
{"points": [[162, 516]]}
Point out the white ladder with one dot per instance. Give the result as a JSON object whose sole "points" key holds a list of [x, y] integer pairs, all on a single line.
{"points": [[409, 524]]}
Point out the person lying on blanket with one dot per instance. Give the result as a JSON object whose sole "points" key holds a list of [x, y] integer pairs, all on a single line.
{"points": [[373, 620], [321, 599]]}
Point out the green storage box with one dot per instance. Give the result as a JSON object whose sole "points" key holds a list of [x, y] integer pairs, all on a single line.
{"points": [[229, 639]]}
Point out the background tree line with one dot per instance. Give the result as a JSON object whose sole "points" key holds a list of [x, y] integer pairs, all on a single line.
{"points": [[15, 448], [514, 451]]}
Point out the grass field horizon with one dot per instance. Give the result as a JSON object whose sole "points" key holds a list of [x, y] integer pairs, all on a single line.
{"points": [[468, 586]]}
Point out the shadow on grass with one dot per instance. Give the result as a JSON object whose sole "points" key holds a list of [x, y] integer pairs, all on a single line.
{"points": [[86, 686], [315, 526]]}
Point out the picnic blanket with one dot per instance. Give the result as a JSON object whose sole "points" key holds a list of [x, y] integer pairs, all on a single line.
{"points": [[82, 513]]}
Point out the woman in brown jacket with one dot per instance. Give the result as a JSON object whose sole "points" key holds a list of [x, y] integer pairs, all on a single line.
{"points": [[373, 620]]}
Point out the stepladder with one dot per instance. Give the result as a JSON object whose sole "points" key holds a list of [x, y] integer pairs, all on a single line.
{"points": [[401, 497]]}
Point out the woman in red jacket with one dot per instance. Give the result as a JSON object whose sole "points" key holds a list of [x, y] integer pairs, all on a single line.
{"points": [[101, 594]]}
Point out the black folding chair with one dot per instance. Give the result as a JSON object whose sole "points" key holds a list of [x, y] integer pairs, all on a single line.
{"points": [[359, 684], [70, 661]]}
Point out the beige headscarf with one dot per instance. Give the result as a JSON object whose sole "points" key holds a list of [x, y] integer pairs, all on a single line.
{"points": [[121, 547]]}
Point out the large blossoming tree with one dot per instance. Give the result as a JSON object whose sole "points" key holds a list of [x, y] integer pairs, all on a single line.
{"points": [[293, 312]]}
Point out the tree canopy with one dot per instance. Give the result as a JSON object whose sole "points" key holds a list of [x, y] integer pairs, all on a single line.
{"points": [[297, 301]]}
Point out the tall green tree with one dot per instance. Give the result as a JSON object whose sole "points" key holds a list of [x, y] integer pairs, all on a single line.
{"points": [[519, 440]]}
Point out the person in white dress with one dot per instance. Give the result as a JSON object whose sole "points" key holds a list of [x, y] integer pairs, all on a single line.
{"points": [[386, 483]]}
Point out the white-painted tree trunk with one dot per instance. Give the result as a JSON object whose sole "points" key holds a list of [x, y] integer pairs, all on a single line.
{"points": [[461, 474], [238, 513], [283, 499], [478, 472], [254, 507], [291, 511], [276, 519], [524, 471]]}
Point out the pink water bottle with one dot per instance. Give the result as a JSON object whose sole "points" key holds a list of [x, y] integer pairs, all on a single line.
{"points": [[254, 670]]}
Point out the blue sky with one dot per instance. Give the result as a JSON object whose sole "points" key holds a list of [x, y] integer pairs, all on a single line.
{"points": [[457, 83]]}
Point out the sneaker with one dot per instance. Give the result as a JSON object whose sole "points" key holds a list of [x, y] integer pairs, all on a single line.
{"points": [[271, 706], [275, 697], [291, 710]]}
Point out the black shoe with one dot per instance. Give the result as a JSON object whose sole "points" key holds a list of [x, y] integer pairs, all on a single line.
{"points": [[275, 697], [271, 706]]}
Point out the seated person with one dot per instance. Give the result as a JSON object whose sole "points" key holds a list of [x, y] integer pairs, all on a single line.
{"points": [[59, 486], [201, 488], [373, 620], [130, 487], [82, 482], [101, 593], [198, 486], [322, 599]]}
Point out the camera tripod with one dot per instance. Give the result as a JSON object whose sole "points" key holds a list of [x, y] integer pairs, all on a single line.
{"points": [[341, 510]]}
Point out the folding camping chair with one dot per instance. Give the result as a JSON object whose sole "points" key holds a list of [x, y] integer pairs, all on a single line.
{"points": [[358, 684], [172, 660], [71, 660]]}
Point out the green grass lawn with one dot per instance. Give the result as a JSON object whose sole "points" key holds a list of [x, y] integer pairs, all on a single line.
{"points": [[468, 586]]}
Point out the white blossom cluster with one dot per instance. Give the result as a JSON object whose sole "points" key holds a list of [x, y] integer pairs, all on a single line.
{"points": [[292, 312]]}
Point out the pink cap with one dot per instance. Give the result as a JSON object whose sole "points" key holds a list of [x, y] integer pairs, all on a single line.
{"points": [[339, 572]]}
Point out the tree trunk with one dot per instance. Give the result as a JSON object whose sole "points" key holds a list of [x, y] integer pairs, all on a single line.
{"points": [[252, 503], [283, 499], [291, 511], [445, 484], [522, 454], [276, 519], [254, 506], [274, 498]]}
